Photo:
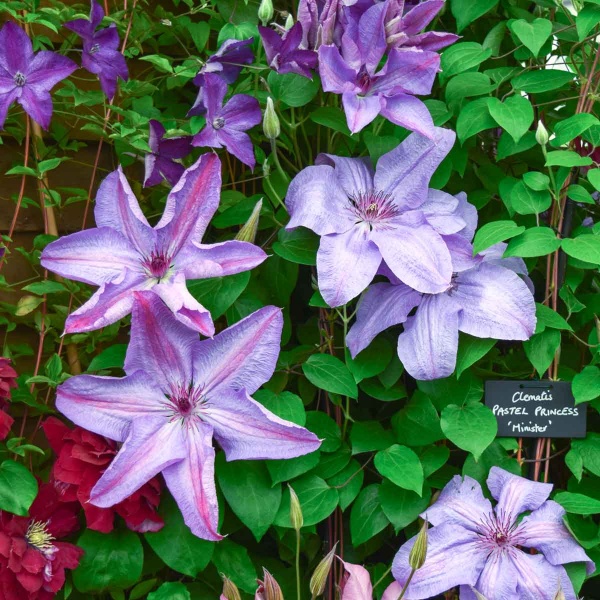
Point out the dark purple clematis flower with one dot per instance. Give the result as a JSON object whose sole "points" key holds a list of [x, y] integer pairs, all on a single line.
{"points": [[101, 55], [476, 546], [284, 53], [123, 254], [177, 395], [365, 216], [486, 298], [227, 123], [161, 163], [27, 78], [367, 90]]}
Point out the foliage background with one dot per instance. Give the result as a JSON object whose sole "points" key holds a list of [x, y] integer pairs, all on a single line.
{"points": [[390, 442]]}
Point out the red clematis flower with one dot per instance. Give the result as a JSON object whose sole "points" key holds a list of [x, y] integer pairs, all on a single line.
{"points": [[82, 458], [8, 380]]}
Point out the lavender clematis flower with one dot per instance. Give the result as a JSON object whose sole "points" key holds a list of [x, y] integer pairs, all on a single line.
{"points": [[366, 91], [124, 254], [364, 216], [284, 53], [227, 123], [27, 78], [177, 395], [101, 54], [320, 21], [473, 544], [161, 162]]}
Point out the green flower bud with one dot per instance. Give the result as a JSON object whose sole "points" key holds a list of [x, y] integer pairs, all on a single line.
{"points": [[321, 573], [560, 595], [271, 121], [289, 22], [541, 134], [418, 553], [270, 587], [248, 231], [265, 11], [296, 518], [230, 590]]}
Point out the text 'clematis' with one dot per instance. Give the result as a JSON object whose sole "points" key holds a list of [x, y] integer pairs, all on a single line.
{"points": [[178, 394], [123, 254]]}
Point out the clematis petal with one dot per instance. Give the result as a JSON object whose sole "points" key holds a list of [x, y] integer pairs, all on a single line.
{"points": [[468, 213], [214, 89], [271, 42], [371, 36], [192, 482], [118, 208], [336, 75], [111, 302], [453, 558], [429, 343], [498, 579], [16, 51], [416, 254], [432, 40], [440, 210], [408, 112], [200, 261], [38, 105], [238, 144], [496, 303], [360, 110], [47, 69], [515, 494], [405, 171], [243, 355], [346, 265], [108, 405], [6, 100], [159, 167], [407, 71], [461, 253], [383, 305], [159, 344], [242, 112], [315, 200], [356, 583], [545, 530], [392, 591], [191, 203], [417, 18], [153, 444], [355, 175], [185, 308], [247, 431], [460, 502]]}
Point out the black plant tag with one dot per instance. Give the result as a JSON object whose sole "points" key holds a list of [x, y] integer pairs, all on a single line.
{"points": [[535, 409]]}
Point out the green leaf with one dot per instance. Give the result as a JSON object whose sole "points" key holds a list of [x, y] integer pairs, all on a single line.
{"points": [[332, 118], [526, 201], [579, 194], [572, 127], [473, 118], [578, 504], [541, 348], [298, 245], [233, 560], [372, 360], [586, 385], [546, 317], [589, 451], [348, 483], [470, 350], [48, 165], [401, 466], [466, 85], [584, 247], [536, 241], [18, 488], [162, 63], [285, 405], [587, 18], [172, 590], [545, 80], [418, 423], [536, 181], [367, 518], [218, 294], [317, 501], [325, 428], [462, 57], [45, 287], [290, 468], [494, 232], [434, 458], [515, 115], [294, 90], [567, 158], [176, 545], [532, 35], [593, 176], [246, 486], [21, 170], [467, 11], [113, 356], [367, 436], [111, 561], [402, 507], [471, 427], [330, 374]]}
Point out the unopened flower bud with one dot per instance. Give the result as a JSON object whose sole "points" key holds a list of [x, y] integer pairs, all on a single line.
{"points": [[269, 588], [296, 518], [289, 22], [230, 591], [418, 553], [478, 595], [248, 231], [271, 121], [321, 573], [560, 595], [541, 134], [265, 11], [166, 22]]}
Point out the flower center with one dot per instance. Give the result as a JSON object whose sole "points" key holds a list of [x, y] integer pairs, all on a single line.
{"points": [[219, 123], [374, 208], [185, 401], [38, 536], [498, 531], [158, 264], [94, 49], [364, 80], [453, 284], [19, 79]]}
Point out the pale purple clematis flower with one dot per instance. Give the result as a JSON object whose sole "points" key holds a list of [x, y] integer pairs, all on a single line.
{"points": [[101, 54], [177, 395], [227, 123], [356, 585], [321, 21], [161, 162], [485, 299], [473, 544], [365, 216], [367, 90], [124, 254], [284, 53], [27, 78]]}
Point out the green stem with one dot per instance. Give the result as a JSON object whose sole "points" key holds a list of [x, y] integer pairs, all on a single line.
{"points": [[345, 321], [298, 588], [276, 160], [406, 584], [382, 577]]}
